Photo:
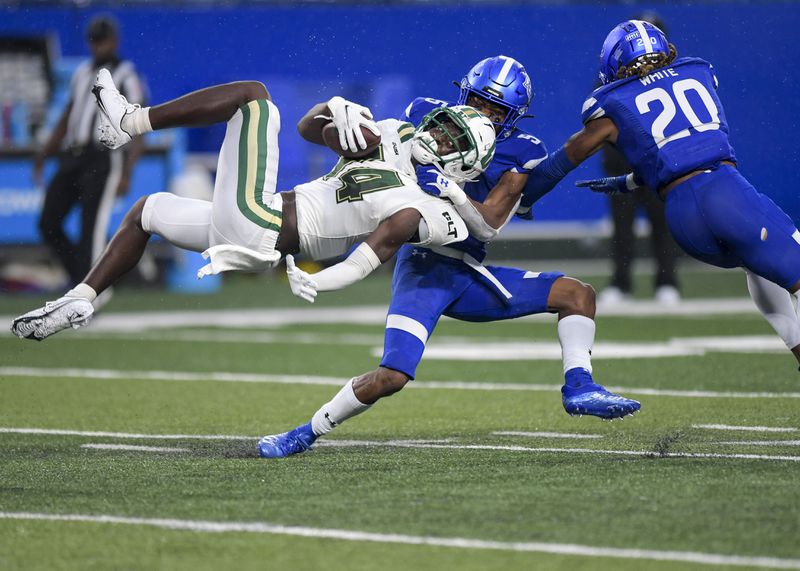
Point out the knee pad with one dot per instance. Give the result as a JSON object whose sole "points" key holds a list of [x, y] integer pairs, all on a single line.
{"points": [[404, 344]]}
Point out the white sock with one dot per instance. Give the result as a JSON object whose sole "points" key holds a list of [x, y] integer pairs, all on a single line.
{"points": [[137, 122], [775, 304], [797, 304], [82, 290], [576, 335], [341, 407]]}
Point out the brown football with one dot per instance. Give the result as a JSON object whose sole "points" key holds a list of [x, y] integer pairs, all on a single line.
{"points": [[331, 137]]}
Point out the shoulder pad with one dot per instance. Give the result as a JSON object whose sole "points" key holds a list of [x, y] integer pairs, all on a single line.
{"points": [[592, 108], [420, 107], [528, 151]]}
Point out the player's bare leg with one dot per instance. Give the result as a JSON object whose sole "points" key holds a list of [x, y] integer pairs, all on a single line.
{"points": [[184, 222], [206, 106], [75, 308], [122, 253], [575, 303], [120, 120], [355, 397]]}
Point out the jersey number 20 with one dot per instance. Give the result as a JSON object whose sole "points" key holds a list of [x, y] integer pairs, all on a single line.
{"points": [[679, 90]]}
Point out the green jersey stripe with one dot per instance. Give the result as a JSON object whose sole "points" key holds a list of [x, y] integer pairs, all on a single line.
{"points": [[252, 163]]}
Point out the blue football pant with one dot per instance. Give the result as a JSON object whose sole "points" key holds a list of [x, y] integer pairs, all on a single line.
{"points": [[719, 218]]}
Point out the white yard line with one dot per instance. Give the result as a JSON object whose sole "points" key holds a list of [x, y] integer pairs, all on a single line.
{"points": [[133, 448], [392, 538], [547, 434], [640, 453], [745, 428], [762, 442], [529, 350], [432, 444], [462, 348], [187, 376], [369, 315], [123, 435]]}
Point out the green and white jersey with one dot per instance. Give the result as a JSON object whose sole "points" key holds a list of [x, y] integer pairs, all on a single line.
{"points": [[343, 207]]}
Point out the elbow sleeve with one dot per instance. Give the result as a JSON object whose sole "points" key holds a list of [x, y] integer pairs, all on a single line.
{"points": [[358, 265], [546, 176], [477, 226]]}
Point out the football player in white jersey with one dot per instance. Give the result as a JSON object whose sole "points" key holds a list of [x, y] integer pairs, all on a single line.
{"points": [[250, 227]]}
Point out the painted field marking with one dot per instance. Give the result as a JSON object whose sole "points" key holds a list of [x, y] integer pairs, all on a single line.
{"points": [[528, 350], [339, 381], [393, 538], [433, 444], [462, 348], [256, 337], [745, 428], [639, 453], [547, 434], [762, 442], [133, 448], [369, 315], [124, 435]]}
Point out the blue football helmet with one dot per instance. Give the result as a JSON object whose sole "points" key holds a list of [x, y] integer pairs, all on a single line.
{"points": [[501, 80], [628, 41]]}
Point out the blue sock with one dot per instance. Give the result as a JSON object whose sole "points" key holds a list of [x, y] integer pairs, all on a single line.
{"points": [[578, 377]]}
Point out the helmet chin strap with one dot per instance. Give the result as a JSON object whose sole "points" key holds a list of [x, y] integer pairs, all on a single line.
{"points": [[452, 176]]}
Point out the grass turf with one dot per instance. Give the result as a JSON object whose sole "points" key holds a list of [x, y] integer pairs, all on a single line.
{"points": [[725, 506]]}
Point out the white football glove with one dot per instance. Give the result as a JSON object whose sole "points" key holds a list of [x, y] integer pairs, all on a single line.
{"points": [[301, 283], [349, 117], [444, 187]]}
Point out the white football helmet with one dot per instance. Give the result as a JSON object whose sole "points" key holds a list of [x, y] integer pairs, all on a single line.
{"points": [[459, 141]]}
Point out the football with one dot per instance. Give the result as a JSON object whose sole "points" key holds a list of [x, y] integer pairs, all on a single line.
{"points": [[331, 137]]}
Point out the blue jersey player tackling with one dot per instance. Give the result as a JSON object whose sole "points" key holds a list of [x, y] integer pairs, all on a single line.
{"points": [[431, 282], [664, 115]]}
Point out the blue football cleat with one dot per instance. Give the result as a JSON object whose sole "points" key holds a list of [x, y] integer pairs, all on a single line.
{"points": [[594, 400], [282, 445]]}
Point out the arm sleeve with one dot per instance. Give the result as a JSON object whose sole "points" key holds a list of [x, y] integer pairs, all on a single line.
{"points": [[545, 176], [358, 265], [477, 226]]}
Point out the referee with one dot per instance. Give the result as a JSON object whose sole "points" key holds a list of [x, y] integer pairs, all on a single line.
{"points": [[88, 174]]}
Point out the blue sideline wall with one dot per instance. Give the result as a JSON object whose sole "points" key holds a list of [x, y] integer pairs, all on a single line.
{"points": [[384, 55]]}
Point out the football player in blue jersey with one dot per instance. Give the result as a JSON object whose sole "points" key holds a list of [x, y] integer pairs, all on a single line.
{"points": [[664, 115], [431, 282]]}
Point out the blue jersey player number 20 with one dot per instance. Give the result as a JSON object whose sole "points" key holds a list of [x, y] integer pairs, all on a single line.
{"points": [[664, 115]]}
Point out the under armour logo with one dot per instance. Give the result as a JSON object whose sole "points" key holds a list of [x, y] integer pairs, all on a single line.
{"points": [[328, 416], [421, 253]]}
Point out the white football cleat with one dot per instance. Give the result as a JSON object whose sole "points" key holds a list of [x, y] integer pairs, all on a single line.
{"points": [[667, 295], [113, 107], [53, 317], [612, 295]]}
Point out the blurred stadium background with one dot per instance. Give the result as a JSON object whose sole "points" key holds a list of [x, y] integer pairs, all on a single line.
{"points": [[384, 54]]}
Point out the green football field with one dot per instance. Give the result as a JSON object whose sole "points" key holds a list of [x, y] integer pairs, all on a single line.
{"points": [[130, 444]]}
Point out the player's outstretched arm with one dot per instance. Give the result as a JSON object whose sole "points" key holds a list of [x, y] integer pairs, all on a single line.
{"points": [[590, 139], [379, 247], [484, 220], [577, 149]]}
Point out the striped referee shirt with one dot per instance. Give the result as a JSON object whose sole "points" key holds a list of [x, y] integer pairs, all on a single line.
{"points": [[82, 122]]}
